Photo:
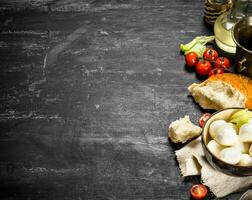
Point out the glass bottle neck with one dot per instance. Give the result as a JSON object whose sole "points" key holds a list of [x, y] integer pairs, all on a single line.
{"points": [[238, 10]]}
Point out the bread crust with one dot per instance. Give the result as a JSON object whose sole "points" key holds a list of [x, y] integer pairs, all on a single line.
{"points": [[222, 91], [240, 82]]}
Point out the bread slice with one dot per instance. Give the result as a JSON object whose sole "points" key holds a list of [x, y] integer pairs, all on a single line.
{"points": [[223, 91]]}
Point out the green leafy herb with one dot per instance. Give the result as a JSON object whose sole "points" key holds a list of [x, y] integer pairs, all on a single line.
{"points": [[197, 45]]}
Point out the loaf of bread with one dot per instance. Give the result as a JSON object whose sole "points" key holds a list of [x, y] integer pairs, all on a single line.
{"points": [[222, 91]]}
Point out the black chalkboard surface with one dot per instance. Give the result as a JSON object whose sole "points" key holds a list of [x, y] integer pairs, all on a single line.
{"points": [[88, 90]]}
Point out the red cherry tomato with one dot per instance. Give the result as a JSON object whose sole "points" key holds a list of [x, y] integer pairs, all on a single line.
{"points": [[212, 72], [191, 59], [203, 67], [222, 62], [210, 54], [203, 119], [198, 191], [216, 71]]}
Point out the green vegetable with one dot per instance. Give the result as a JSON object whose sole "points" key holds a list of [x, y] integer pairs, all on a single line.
{"points": [[241, 117], [197, 45], [199, 49]]}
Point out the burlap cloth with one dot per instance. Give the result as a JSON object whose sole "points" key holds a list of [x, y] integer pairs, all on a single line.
{"points": [[192, 161]]}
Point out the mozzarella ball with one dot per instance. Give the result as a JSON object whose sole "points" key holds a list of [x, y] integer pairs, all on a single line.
{"points": [[230, 155], [225, 135], [246, 160], [250, 150], [215, 125], [245, 132], [233, 126], [214, 148], [241, 146]]}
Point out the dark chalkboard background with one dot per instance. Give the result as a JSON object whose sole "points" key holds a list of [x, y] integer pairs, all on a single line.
{"points": [[88, 89]]}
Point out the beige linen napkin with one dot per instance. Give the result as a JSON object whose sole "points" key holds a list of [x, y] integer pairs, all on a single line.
{"points": [[192, 161]]}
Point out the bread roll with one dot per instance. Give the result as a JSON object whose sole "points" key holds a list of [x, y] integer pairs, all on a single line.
{"points": [[222, 91]]}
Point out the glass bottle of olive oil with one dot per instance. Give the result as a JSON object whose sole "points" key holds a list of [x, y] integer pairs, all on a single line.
{"points": [[224, 24]]}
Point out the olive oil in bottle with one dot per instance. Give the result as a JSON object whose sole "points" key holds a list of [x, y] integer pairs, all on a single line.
{"points": [[224, 24]]}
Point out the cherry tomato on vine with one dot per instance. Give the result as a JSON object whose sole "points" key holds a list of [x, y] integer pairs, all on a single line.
{"points": [[222, 62], [216, 71], [203, 119], [198, 191], [210, 54], [191, 59], [203, 67]]}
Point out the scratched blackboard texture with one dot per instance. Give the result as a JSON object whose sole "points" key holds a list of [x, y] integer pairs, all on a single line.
{"points": [[88, 89]]}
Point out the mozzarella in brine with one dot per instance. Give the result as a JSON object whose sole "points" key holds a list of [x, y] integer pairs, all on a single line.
{"points": [[215, 125], [214, 147], [230, 155], [245, 132], [225, 135], [246, 160]]}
